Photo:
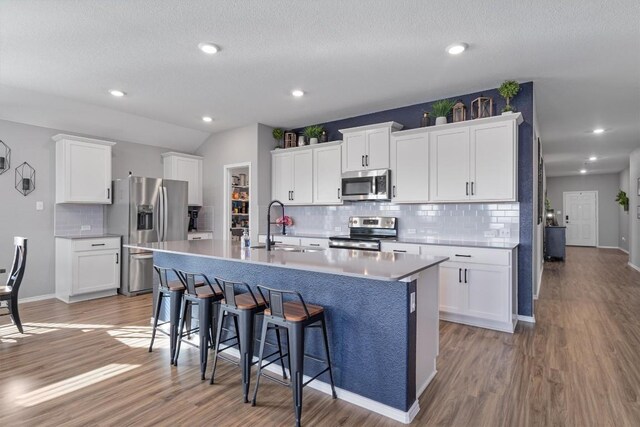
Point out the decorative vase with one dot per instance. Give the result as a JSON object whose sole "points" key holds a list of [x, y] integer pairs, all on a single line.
{"points": [[313, 141], [424, 121], [300, 140], [441, 120], [324, 137]]}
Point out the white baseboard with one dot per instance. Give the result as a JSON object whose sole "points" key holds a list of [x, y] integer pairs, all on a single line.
{"points": [[635, 267], [607, 247], [479, 323], [624, 250], [528, 319], [348, 396], [535, 296], [36, 298]]}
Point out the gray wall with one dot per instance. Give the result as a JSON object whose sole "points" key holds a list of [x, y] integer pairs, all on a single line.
{"points": [[607, 186], [634, 202], [18, 215], [623, 235]]}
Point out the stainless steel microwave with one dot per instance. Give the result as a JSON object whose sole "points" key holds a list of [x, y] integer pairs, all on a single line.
{"points": [[366, 185]]}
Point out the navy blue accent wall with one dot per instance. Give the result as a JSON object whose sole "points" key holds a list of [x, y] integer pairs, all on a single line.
{"points": [[410, 116]]}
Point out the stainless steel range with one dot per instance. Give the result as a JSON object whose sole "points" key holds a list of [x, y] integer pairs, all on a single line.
{"points": [[367, 233]]}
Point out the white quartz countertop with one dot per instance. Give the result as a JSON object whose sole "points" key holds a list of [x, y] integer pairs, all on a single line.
{"points": [[86, 236], [369, 265]]}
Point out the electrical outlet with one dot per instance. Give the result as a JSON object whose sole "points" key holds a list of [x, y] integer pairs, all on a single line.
{"points": [[505, 232], [491, 233], [85, 227]]}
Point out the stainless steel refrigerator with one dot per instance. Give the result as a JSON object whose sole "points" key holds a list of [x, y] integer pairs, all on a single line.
{"points": [[146, 210]]}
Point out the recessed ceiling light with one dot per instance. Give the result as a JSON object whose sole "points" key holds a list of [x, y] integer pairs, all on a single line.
{"points": [[583, 171], [207, 119], [208, 48], [598, 130], [457, 48], [117, 93], [593, 158], [297, 93]]}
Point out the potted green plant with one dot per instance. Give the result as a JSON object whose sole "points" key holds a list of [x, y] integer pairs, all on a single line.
{"points": [[441, 110], [312, 133], [508, 90], [623, 200], [277, 135]]}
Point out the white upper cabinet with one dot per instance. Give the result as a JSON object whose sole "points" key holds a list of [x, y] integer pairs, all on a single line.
{"points": [[185, 167], [327, 175], [367, 147], [292, 177], [475, 161], [83, 170], [409, 166]]}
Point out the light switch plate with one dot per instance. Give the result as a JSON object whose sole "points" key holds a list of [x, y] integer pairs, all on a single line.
{"points": [[413, 302], [85, 227], [39, 206]]}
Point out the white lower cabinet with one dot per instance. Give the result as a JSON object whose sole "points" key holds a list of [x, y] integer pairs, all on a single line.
{"points": [[204, 235], [314, 242], [400, 248], [478, 286], [280, 239], [87, 268]]}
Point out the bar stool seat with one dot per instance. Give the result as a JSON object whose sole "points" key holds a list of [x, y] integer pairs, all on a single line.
{"points": [[294, 311]]}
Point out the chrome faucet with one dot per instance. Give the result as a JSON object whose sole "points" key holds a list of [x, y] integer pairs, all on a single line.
{"points": [[284, 226]]}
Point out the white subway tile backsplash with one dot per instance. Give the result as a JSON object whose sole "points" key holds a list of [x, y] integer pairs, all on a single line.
{"points": [[70, 218], [463, 221]]}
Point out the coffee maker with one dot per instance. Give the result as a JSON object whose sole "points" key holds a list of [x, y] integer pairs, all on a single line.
{"points": [[193, 220]]}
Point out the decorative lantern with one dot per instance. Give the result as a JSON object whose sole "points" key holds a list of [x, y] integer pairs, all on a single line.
{"points": [[290, 139], [425, 120], [5, 157], [482, 107], [324, 137], [25, 178], [459, 112]]}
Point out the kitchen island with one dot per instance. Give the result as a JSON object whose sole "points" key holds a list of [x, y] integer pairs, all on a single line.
{"points": [[381, 309]]}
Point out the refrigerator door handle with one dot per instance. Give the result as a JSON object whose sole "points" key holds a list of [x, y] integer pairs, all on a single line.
{"points": [[165, 215], [160, 214]]}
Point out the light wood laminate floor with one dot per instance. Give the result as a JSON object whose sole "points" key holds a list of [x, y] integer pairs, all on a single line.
{"points": [[579, 365]]}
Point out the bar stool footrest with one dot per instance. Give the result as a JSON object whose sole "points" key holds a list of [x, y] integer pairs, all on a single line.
{"points": [[316, 376]]}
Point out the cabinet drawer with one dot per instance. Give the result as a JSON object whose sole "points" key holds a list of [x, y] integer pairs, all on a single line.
{"points": [[470, 255], [283, 240], [312, 242], [401, 248], [200, 236], [96, 244]]}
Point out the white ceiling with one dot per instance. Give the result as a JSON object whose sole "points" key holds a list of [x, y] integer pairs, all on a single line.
{"points": [[58, 59]]}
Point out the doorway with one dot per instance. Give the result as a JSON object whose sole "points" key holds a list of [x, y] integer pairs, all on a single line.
{"points": [[581, 217], [237, 197]]}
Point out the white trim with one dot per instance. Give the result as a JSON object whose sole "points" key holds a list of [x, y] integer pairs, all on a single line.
{"points": [[608, 247], [528, 319], [597, 218], [36, 298], [348, 396], [635, 267], [62, 136], [425, 385], [537, 294], [624, 250], [226, 205], [175, 153]]}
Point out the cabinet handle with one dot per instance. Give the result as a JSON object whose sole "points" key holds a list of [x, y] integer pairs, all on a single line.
{"points": [[314, 244], [467, 190], [465, 275], [97, 244], [472, 188], [459, 275], [394, 191], [366, 160], [108, 193], [293, 195], [400, 251], [463, 256], [362, 161], [117, 258], [196, 238], [338, 194]]}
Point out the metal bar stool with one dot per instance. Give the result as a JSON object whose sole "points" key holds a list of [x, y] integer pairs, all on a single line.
{"points": [[293, 316], [172, 289], [204, 297], [242, 305]]}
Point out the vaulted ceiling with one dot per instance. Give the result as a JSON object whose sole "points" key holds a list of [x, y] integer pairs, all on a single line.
{"points": [[59, 59]]}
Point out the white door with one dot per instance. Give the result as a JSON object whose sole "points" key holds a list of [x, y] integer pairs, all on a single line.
{"points": [[453, 292], [355, 148], [580, 217], [492, 162], [327, 163], [488, 292], [282, 182], [409, 168], [377, 155], [88, 175], [449, 165], [95, 271], [302, 178]]}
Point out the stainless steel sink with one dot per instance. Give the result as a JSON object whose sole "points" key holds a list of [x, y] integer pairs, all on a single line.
{"points": [[290, 249]]}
